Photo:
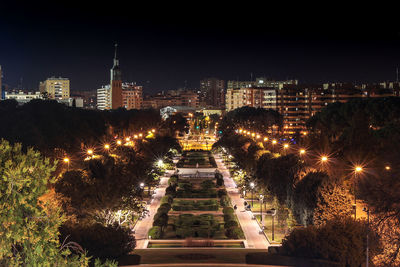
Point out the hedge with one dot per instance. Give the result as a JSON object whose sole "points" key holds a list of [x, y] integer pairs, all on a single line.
{"points": [[155, 232]]}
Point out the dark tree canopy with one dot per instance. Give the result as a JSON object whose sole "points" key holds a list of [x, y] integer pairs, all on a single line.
{"points": [[257, 119]]}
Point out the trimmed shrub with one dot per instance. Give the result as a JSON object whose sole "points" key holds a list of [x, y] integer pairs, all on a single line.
{"points": [[167, 199], [225, 201], [166, 206], [229, 217], [207, 184], [155, 232], [173, 180], [222, 192], [228, 210], [184, 232], [170, 190], [233, 233], [230, 224]]}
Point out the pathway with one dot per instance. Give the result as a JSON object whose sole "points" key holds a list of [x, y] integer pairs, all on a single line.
{"points": [[250, 227], [143, 226]]}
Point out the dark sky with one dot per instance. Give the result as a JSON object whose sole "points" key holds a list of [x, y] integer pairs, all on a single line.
{"points": [[164, 45]]}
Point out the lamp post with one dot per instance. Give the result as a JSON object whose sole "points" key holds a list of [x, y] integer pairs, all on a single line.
{"points": [[262, 217], [141, 187], [273, 213], [66, 160], [252, 192], [367, 250], [357, 170]]}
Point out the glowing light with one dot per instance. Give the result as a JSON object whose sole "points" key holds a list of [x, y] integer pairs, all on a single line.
{"points": [[66, 160], [127, 139], [387, 168], [358, 169], [252, 185], [90, 151], [106, 146], [140, 135], [265, 139], [324, 158], [286, 146], [135, 136], [119, 142], [141, 185], [153, 130], [274, 142], [302, 151], [253, 134]]}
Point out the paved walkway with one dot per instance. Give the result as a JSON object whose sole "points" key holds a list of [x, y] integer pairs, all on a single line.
{"points": [[143, 226], [250, 227]]}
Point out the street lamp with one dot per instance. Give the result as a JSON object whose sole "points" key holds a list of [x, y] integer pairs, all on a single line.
{"points": [[273, 145], [66, 160], [285, 147], [262, 218], [357, 169], [367, 250], [90, 152], [273, 213], [252, 192]]}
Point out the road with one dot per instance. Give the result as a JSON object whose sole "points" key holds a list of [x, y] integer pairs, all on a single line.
{"points": [[143, 226], [250, 227]]}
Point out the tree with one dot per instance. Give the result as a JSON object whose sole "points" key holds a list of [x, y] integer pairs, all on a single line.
{"points": [[279, 175], [318, 198], [340, 240], [29, 225]]}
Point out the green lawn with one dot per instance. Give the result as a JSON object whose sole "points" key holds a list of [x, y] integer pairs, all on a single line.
{"points": [[279, 231]]}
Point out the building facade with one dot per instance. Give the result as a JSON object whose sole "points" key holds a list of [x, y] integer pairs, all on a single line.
{"points": [[22, 97], [212, 92], [132, 96], [183, 98], [56, 88], [104, 97]]}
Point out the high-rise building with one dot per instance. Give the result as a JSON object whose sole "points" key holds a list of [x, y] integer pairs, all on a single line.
{"points": [[212, 92], [116, 83], [132, 96], [104, 97], [256, 97], [56, 88]]}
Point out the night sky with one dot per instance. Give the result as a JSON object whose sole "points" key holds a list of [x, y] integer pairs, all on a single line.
{"points": [[161, 46]]}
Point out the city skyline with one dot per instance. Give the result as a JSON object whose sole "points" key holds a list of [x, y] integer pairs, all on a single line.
{"points": [[166, 50]]}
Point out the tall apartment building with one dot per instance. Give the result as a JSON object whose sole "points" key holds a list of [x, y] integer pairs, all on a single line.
{"points": [[116, 83], [104, 97], [56, 88], [251, 96], [212, 92], [132, 96]]}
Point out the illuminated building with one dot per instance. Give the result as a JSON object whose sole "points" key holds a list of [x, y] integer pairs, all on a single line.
{"points": [[56, 88]]}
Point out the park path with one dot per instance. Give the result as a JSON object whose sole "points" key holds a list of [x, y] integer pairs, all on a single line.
{"points": [[250, 227], [143, 226]]}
